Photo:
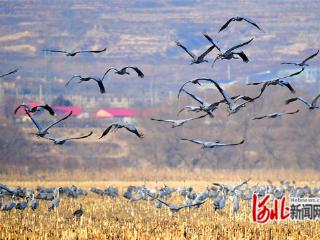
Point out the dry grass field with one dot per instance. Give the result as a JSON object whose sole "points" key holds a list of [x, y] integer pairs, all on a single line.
{"points": [[107, 218]]}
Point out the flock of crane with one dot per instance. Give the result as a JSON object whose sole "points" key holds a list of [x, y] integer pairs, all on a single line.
{"points": [[234, 103], [218, 192]]}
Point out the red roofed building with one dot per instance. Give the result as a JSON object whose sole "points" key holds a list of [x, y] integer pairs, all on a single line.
{"points": [[119, 112], [64, 110]]}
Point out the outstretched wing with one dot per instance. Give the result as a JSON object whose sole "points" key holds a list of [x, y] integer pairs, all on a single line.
{"points": [[239, 45], [101, 86], [308, 58], [194, 81], [211, 40], [51, 50], [288, 85], [138, 71], [74, 76], [224, 94], [196, 204], [290, 75], [243, 56], [257, 118], [195, 118], [293, 112], [181, 88], [252, 23], [298, 98], [34, 122], [60, 120], [314, 101], [194, 141], [165, 203], [230, 144], [255, 83], [190, 108], [163, 120], [85, 136], [48, 108], [277, 81], [206, 52], [133, 129], [185, 49], [241, 184], [105, 132], [214, 61], [198, 99], [12, 72], [226, 24], [91, 51], [49, 138], [112, 68], [291, 63], [21, 105]]}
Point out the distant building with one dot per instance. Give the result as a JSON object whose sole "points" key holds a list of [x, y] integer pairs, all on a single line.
{"points": [[120, 113], [64, 110]]}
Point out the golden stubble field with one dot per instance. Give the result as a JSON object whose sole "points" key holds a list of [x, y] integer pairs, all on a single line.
{"points": [[106, 218]]}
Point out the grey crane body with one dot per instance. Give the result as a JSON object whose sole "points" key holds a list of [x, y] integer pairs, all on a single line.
{"points": [[74, 53], [61, 141], [45, 196], [236, 205], [275, 115], [201, 197], [128, 192], [157, 204], [10, 205], [220, 201], [78, 213], [281, 81], [123, 71], [232, 107], [44, 131], [34, 203], [117, 125], [196, 59], [111, 192], [211, 144], [21, 205], [97, 191], [178, 123], [173, 208], [313, 105], [238, 19], [98, 80], [231, 54], [56, 201], [190, 108], [142, 194], [205, 106], [166, 191], [232, 189]]}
